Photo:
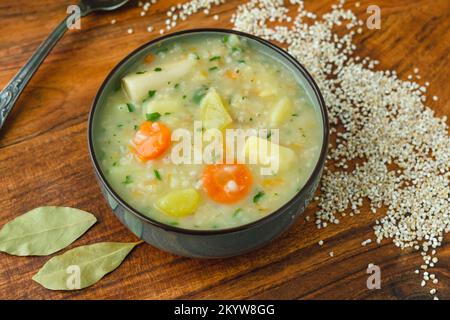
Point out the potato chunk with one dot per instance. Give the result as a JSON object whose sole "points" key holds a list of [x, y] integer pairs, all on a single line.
{"points": [[265, 153], [213, 112], [179, 203], [281, 112], [137, 86]]}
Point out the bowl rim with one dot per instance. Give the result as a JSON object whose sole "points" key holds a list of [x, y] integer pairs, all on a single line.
{"points": [[297, 66]]}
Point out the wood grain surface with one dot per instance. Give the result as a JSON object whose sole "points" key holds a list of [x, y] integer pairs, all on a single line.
{"points": [[44, 161]]}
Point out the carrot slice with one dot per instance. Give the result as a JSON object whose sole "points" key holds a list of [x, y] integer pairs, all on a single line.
{"points": [[227, 183], [149, 58], [151, 140], [231, 74]]}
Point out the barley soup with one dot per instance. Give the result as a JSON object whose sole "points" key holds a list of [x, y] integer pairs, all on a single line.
{"points": [[226, 83]]}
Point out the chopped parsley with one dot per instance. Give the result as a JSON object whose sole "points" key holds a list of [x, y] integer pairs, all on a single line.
{"points": [[151, 93], [157, 175], [153, 116], [141, 72], [215, 58], [128, 180], [130, 107], [157, 69], [199, 94], [237, 211], [213, 68], [258, 197]]}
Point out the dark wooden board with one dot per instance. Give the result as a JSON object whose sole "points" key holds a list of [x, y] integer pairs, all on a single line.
{"points": [[44, 161]]}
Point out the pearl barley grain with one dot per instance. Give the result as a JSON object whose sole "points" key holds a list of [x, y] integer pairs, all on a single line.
{"points": [[415, 196]]}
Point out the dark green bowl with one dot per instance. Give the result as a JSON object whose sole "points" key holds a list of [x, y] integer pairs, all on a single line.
{"points": [[210, 243]]}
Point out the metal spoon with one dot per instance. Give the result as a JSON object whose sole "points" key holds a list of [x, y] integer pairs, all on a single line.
{"points": [[10, 94]]}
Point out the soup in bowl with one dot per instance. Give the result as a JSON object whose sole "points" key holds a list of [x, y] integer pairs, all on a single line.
{"points": [[208, 143]]}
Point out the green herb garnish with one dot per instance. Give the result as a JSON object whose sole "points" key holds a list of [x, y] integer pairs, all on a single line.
{"points": [[130, 107], [177, 86], [162, 50], [199, 94], [128, 180], [237, 211], [157, 175], [153, 116], [215, 58], [213, 68], [151, 93], [157, 69], [225, 38], [241, 61], [141, 72], [258, 197]]}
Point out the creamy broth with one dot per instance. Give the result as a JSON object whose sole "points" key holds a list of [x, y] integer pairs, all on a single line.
{"points": [[228, 83]]}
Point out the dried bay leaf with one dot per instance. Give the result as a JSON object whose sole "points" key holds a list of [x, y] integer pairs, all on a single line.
{"points": [[44, 230], [83, 266]]}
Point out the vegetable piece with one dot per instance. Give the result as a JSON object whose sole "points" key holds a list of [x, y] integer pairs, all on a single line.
{"points": [[227, 183], [281, 112], [44, 230], [231, 74], [233, 41], [265, 153], [149, 58], [179, 203], [213, 111], [137, 86], [151, 140], [83, 266]]}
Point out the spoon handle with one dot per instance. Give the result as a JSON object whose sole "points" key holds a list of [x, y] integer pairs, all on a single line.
{"points": [[10, 94]]}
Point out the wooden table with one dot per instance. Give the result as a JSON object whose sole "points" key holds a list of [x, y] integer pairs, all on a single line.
{"points": [[44, 161]]}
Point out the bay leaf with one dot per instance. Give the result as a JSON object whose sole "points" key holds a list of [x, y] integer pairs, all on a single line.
{"points": [[44, 230], [83, 266]]}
